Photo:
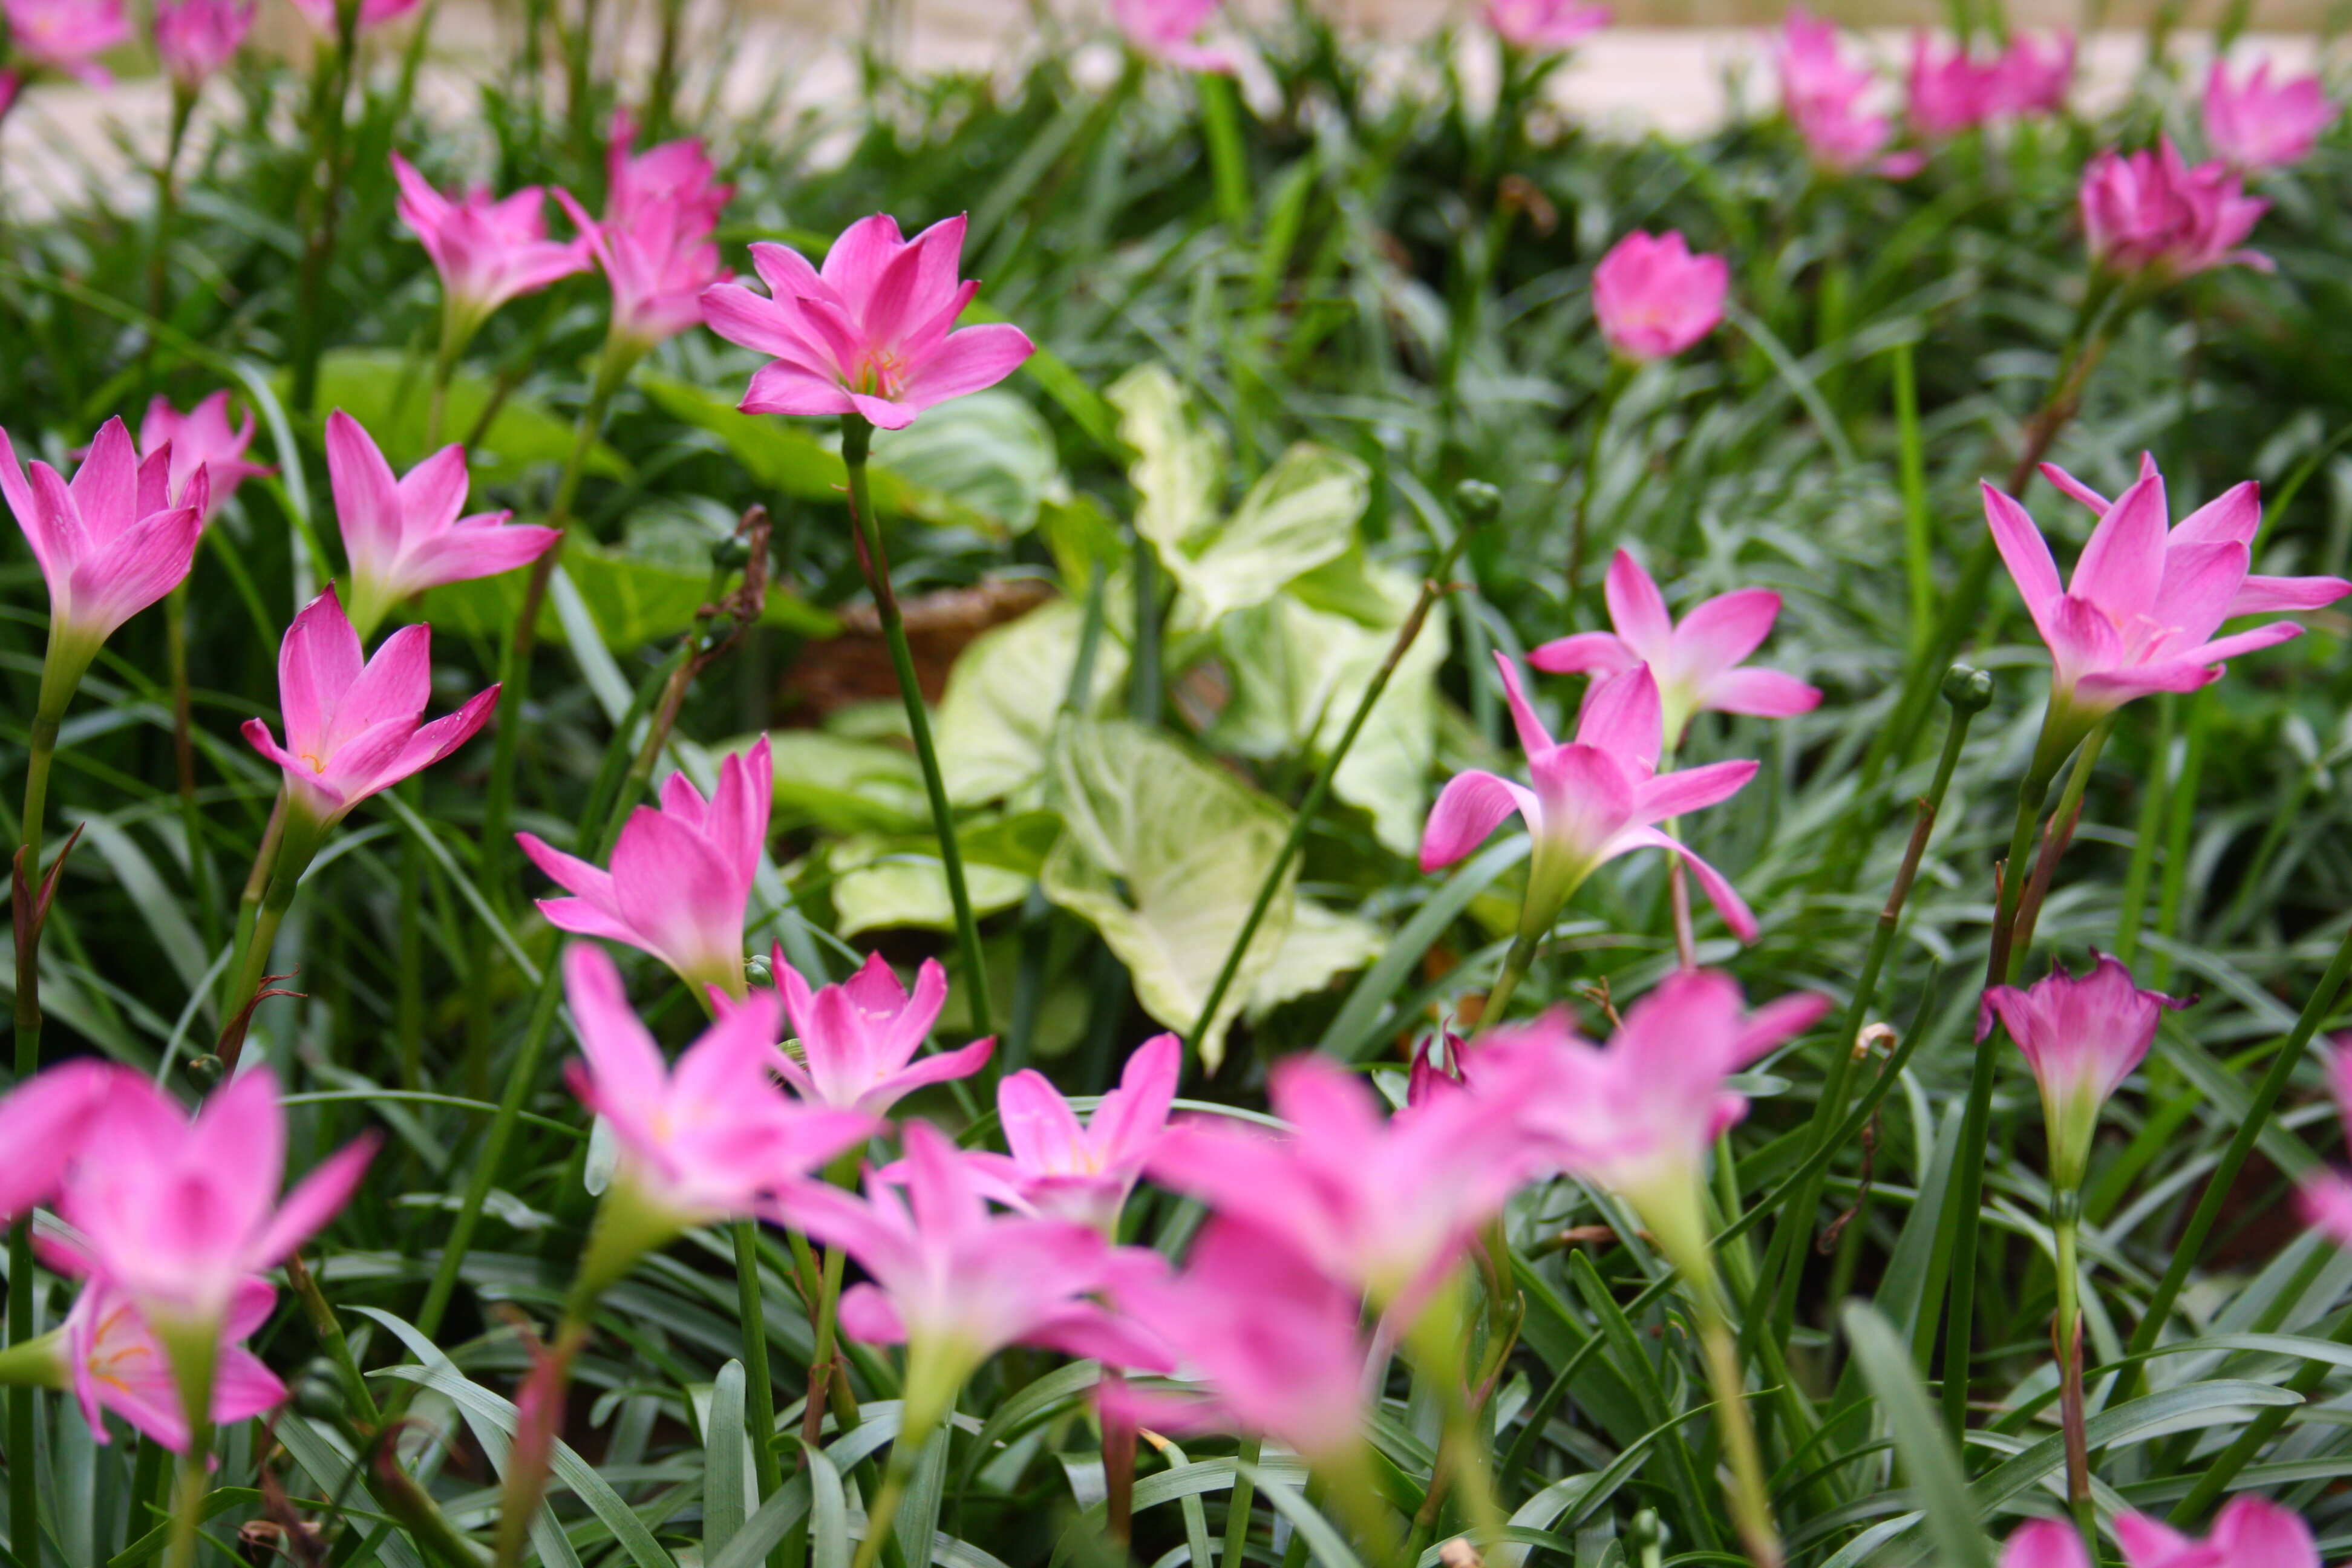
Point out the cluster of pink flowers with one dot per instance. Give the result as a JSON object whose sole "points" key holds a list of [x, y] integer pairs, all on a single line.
{"points": [[171, 1223], [1824, 97], [655, 241], [2247, 1533], [2151, 213], [1169, 31], [1545, 27], [1951, 91]]}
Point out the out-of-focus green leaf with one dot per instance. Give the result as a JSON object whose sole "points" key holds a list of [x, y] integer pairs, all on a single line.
{"points": [[844, 785], [726, 1463], [1321, 944], [1003, 698], [1082, 537], [1178, 466], [1163, 855], [894, 884], [991, 451], [386, 391]]}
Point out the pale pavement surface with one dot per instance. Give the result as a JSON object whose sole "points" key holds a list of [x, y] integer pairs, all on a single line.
{"points": [[66, 139]]}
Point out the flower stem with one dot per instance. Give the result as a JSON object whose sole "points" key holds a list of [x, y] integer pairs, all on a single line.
{"points": [[23, 1404], [882, 1511], [298, 841], [1515, 969], [2054, 842], [2067, 1335], [1237, 1507], [329, 95], [1228, 165], [856, 441], [759, 1387], [1751, 1505], [167, 207]]}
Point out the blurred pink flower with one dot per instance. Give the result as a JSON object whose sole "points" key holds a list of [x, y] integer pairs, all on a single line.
{"points": [[1547, 26], [2249, 1532], [858, 1040], [655, 241], [701, 1142], [2255, 126], [2029, 80], [1595, 798], [1386, 1205], [1639, 1114], [956, 1283], [403, 535], [201, 439], [488, 250], [110, 544], [1950, 90], [68, 36], [2044, 1544], [197, 37], [115, 1361], [2082, 1038], [2149, 212], [321, 13], [179, 1214], [1082, 1171], [681, 876], [1275, 1338], [1823, 98], [1698, 665], [868, 334], [42, 1122], [355, 727], [1167, 31], [1654, 298], [2145, 602], [2327, 1197]]}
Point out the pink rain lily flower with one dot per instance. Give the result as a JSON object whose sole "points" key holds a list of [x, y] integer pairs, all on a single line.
{"points": [[1950, 90], [180, 1214], [858, 1040], [1595, 797], [114, 1361], [2255, 126], [1386, 1205], [1823, 98], [355, 727], [2082, 1038], [2029, 79], [2044, 1544], [872, 333], [1698, 665], [1639, 1115], [488, 250], [1274, 1337], [2249, 1532], [403, 535], [110, 544], [956, 1284], [1545, 27], [681, 876], [2149, 213], [2146, 599], [655, 241], [2327, 1197], [42, 1122], [372, 14], [700, 1142], [1169, 30], [68, 36], [197, 37], [1068, 1169], [677, 174], [201, 438], [1654, 298]]}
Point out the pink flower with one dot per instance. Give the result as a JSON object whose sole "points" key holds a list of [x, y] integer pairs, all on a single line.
{"points": [[115, 1361], [2327, 1197], [681, 876], [1165, 30], [68, 36], [1083, 1171], [2044, 1544], [1823, 97], [654, 243], [2029, 80], [1547, 26], [321, 13], [1950, 91], [197, 37], [355, 727], [1275, 1339], [858, 1038], [1697, 664], [2082, 1038], [956, 1283], [1639, 1115], [42, 1122], [110, 544], [701, 1142], [2141, 611], [2255, 126], [488, 250], [1654, 298], [404, 536], [2149, 212], [179, 1215], [1595, 797], [2247, 1533], [1384, 1204], [869, 333], [201, 439]]}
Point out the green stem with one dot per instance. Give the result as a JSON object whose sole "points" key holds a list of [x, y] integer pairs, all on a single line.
{"points": [[882, 1511], [758, 1387], [299, 842], [856, 441], [1515, 969], [23, 1404], [1750, 1497], [1302, 821], [331, 94], [2053, 844], [1966, 1200], [2067, 1336], [188, 1489], [1237, 1507], [1228, 164]]}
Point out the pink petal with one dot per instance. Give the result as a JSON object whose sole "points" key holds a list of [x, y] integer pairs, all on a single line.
{"points": [[433, 493], [2259, 1534], [106, 486], [1765, 693], [1041, 1130], [2222, 650], [780, 389], [629, 1079], [971, 358], [2044, 1544], [1467, 810], [1622, 717], [2200, 582], [859, 256], [126, 572], [2026, 553], [1636, 608], [395, 684], [243, 1387], [867, 1315], [1672, 795], [367, 496], [1533, 737], [2259, 594], [1724, 630], [2122, 567], [2144, 1539], [924, 1071], [316, 664], [1718, 890], [786, 271], [741, 315], [2235, 516], [1132, 1116], [315, 1200], [1594, 653], [464, 553]]}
